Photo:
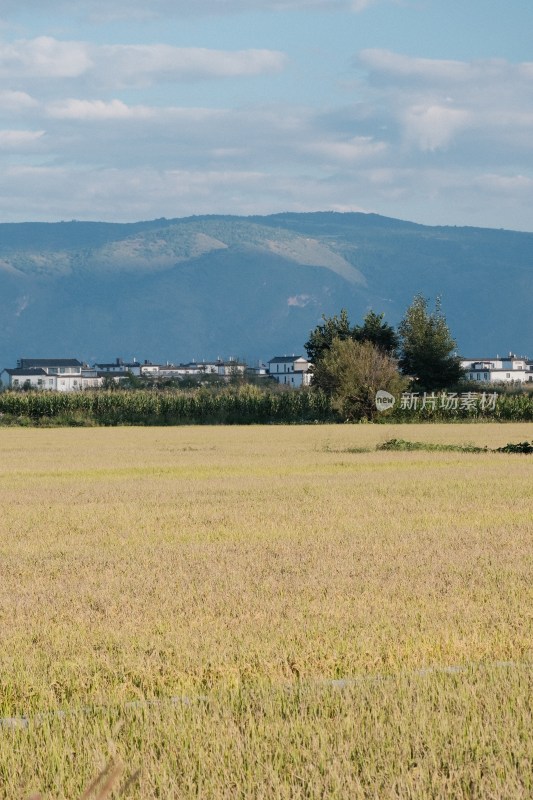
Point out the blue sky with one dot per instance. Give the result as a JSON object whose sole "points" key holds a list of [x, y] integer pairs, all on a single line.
{"points": [[122, 110]]}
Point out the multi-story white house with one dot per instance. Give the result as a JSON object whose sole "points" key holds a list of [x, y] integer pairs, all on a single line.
{"points": [[290, 370], [32, 377], [506, 369], [59, 374], [230, 368], [118, 366], [149, 370]]}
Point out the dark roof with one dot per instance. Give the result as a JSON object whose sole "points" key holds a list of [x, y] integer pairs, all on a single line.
{"points": [[28, 372], [120, 364], [230, 364], [496, 358], [25, 363], [284, 359]]}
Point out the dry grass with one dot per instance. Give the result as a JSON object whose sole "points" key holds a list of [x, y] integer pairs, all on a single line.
{"points": [[181, 599], [104, 784]]}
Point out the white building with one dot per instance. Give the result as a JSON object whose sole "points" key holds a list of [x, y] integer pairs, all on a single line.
{"points": [[290, 370], [180, 371], [231, 368], [34, 378], [257, 371], [120, 366], [92, 379], [194, 369], [95, 378], [149, 370], [506, 369], [58, 374]]}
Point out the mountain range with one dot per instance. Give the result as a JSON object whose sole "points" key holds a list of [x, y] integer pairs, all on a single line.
{"points": [[251, 287]]}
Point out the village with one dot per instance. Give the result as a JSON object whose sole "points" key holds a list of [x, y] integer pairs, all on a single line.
{"points": [[71, 374], [291, 371]]}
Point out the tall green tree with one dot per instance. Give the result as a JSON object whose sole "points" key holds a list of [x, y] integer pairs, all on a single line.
{"points": [[378, 332], [321, 338], [373, 330], [427, 347]]}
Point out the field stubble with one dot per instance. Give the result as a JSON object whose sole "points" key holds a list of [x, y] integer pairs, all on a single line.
{"points": [[185, 598]]}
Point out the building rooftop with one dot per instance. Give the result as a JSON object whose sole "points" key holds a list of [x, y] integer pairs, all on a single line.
{"points": [[19, 371], [286, 359], [30, 363]]}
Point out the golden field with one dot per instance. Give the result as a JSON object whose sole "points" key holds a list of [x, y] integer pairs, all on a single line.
{"points": [[263, 612]]}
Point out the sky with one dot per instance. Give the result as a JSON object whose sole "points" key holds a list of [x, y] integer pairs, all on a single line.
{"points": [[125, 110]]}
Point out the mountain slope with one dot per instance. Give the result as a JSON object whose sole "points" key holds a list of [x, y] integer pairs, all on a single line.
{"points": [[254, 287]]}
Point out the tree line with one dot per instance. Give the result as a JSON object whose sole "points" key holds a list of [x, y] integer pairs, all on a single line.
{"points": [[351, 363]]}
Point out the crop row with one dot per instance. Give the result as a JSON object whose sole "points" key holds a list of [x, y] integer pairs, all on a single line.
{"points": [[506, 408], [244, 405]]}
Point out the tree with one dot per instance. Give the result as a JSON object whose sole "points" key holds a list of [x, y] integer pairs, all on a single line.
{"points": [[375, 330], [321, 338], [352, 372], [427, 347]]}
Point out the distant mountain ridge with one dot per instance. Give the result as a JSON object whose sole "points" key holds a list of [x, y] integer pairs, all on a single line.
{"points": [[254, 287]]}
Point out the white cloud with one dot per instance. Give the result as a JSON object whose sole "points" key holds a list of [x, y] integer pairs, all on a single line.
{"points": [[99, 134], [126, 194], [400, 67], [434, 126], [19, 140], [507, 184], [98, 110], [468, 78], [435, 196], [432, 105], [360, 148], [44, 57], [430, 140], [16, 102], [299, 300], [145, 64], [129, 65]]}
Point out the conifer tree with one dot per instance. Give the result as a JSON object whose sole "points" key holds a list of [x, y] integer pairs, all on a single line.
{"points": [[427, 347]]}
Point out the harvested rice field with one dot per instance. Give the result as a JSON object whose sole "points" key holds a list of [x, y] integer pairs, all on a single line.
{"points": [[266, 612]]}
